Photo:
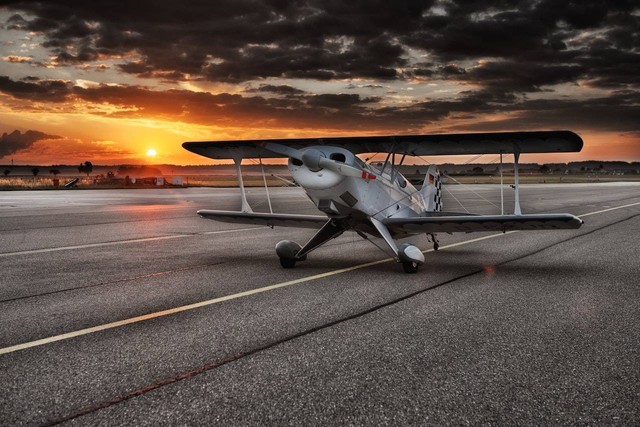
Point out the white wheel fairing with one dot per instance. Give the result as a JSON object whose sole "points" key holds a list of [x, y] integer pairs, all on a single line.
{"points": [[410, 253]]}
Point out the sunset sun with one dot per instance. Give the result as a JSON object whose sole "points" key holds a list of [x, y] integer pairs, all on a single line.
{"points": [[152, 153]]}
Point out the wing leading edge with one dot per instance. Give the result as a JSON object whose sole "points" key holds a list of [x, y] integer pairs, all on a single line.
{"points": [[418, 225], [412, 145], [271, 220], [471, 223]]}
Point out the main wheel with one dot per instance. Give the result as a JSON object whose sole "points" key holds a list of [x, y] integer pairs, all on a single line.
{"points": [[287, 262], [410, 267]]}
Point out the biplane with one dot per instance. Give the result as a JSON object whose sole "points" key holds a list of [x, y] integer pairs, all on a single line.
{"points": [[376, 199]]}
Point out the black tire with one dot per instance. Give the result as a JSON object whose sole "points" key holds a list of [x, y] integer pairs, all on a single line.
{"points": [[410, 267], [287, 262]]}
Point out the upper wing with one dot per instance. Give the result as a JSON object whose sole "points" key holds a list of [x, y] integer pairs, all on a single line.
{"points": [[259, 218], [412, 145], [469, 223]]}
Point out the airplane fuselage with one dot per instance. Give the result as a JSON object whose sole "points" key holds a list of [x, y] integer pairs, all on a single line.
{"points": [[375, 194]]}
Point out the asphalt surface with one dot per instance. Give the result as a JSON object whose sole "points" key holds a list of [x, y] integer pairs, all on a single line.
{"points": [[132, 310]]}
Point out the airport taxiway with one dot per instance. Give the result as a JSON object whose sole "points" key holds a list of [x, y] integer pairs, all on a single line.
{"points": [[123, 307]]}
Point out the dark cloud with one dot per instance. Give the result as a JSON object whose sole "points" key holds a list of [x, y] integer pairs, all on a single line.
{"points": [[503, 51], [15, 22], [45, 90], [229, 40], [528, 44], [607, 67], [368, 86], [277, 89], [16, 141], [337, 59], [452, 70], [339, 101], [335, 111], [511, 76], [618, 111]]}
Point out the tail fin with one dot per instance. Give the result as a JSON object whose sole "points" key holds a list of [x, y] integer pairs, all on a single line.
{"points": [[431, 189]]}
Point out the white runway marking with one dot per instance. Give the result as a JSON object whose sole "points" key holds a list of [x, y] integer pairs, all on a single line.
{"points": [[215, 300], [610, 209], [121, 242], [188, 307]]}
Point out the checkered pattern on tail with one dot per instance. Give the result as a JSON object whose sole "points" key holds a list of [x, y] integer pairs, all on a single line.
{"points": [[432, 189]]}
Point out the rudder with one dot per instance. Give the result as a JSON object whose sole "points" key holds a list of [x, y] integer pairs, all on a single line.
{"points": [[431, 189]]}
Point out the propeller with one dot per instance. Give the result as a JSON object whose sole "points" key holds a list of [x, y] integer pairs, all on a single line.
{"points": [[343, 169], [282, 149], [315, 160]]}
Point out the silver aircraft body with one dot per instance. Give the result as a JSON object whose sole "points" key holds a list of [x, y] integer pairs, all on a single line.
{"points": [[378, 200]]}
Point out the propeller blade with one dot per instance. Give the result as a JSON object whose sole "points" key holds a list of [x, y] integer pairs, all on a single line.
{"points": [[314, 160], [343, 169], [283, 149]]}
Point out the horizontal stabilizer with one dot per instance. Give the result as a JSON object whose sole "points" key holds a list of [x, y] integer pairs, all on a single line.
{"points": [[471, 223], [271, 220]]}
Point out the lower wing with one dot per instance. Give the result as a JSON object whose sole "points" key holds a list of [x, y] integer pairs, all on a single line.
{"points": [[470, 223], [259, 218]]}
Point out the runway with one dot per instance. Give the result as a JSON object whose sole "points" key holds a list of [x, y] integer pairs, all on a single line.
{"points": [[123, 307]]}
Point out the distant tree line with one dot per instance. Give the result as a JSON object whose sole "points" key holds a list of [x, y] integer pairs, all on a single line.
{"points": [[85, 167], [138, 171]]}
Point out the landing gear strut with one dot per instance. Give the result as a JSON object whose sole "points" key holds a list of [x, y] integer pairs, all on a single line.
{"points": [[432, 238], [290, 252]]}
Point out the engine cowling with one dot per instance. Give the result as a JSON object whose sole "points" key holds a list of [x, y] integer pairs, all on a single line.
{"points": [[308, 172]]}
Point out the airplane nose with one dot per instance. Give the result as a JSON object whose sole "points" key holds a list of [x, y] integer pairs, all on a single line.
{"points": [[311, 159]]}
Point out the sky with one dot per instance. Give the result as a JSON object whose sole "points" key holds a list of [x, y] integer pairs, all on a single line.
{"points": [[107, 81]]}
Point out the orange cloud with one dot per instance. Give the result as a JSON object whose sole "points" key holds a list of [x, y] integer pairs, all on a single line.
{"points": [[18, 59], [137, 118]]}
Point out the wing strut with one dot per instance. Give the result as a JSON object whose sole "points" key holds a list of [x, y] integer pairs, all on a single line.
{"points": [[516, 157], [501, 187], [245, 204], [266, 187]]}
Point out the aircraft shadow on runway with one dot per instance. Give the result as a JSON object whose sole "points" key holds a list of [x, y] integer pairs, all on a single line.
{"points": [[454, 261]]}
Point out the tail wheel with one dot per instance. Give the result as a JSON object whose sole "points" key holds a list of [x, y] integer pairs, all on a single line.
{"points": [[410, 267], [287, 262]]}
